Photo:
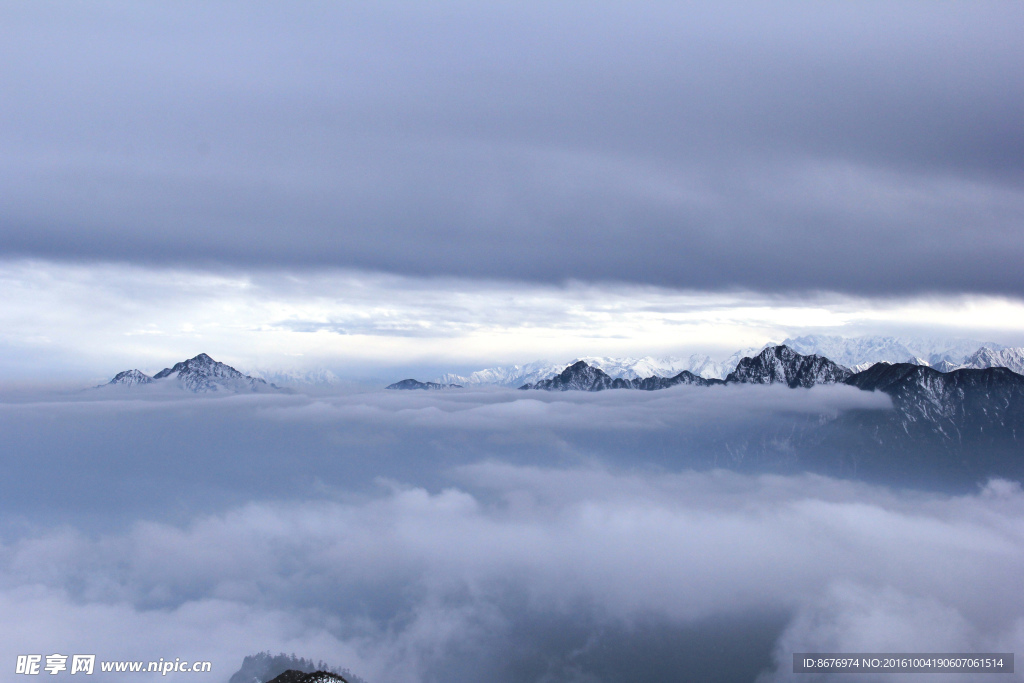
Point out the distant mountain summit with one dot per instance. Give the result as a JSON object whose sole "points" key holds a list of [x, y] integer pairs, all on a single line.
{"points": [[783, 365], [198, 375], [504, 376], [411, 384], [130, 378], [985, 357], [853, 351]]}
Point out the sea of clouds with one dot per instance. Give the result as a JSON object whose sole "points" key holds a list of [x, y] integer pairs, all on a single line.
{"points": [[469, 536]]}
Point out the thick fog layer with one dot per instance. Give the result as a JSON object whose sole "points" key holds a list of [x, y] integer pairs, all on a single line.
{"points": [[491, 535], [120, 451]]}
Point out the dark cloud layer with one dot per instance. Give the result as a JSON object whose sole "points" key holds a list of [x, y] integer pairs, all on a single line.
{"points": [[864, 147]]}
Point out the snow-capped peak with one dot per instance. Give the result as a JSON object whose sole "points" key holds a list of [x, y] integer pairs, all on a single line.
{"points": [[131, 378]]}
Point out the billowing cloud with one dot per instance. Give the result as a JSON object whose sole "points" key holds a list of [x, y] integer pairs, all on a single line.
{"points": [[559, 573], [856, 148]]}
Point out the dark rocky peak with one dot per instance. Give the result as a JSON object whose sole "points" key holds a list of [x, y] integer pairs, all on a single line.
{"points": [[985, 404], [881, 376], [201, 364], [685, 377], [783, 365], [579, 377]]}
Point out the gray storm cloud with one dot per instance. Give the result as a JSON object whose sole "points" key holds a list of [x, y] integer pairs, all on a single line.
{"points": [[859, 148]]}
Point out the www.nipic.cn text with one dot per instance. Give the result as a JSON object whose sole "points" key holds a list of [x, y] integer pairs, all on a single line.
{"points": [[31, 665]]}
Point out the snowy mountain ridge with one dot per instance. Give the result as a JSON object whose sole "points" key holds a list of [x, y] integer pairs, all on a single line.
{"points": [[984, 357], [853, 351], [987, 357]]}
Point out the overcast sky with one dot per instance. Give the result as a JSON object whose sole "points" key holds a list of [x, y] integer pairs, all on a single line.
{"points": [[870, 148], [766, 152]]}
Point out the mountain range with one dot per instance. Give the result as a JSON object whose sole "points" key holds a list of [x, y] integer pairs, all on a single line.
{"points": [[774, 365], [624, 368], [992, 395], [856, 353]]}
